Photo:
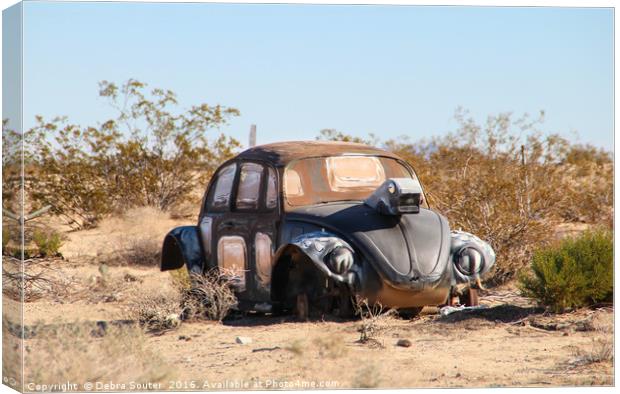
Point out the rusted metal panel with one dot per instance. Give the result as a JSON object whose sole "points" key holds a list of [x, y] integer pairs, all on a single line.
{"points": [[206, 235], [392, 297], [271, 198], [282, 153], [264, 253], [232, 258]]}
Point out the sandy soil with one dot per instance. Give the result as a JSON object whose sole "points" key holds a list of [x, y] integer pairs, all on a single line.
{"points": [[471, 353]]}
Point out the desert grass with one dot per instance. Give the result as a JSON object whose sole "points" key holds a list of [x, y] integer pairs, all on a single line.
{"points": [[142, 252], [155, 311], [72, 352], [600, 350]]}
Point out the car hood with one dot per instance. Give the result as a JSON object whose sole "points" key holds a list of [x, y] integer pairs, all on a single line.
{"points": [[410, 251]]}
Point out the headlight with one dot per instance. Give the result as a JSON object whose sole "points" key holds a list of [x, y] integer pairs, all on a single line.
{"points": [[469, 261], [340, 260]]}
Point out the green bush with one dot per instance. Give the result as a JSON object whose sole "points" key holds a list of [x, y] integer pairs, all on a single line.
{"points": [[48, 242], [575, 272]]}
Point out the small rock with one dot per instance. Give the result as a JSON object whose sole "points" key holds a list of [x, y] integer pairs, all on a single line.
{"points": [[184, 338], [403, 342], [458, 375], [243, 340]]}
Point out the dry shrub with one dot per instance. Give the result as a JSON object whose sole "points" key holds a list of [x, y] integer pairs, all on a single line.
{"points": [[601, 350], [70, 353], [210, 297], [39, 279], [150, 154], [142, 251], [588, 186], [156, 312], [375, 319]]}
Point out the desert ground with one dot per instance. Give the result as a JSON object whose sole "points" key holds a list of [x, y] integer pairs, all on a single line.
{"points": [[511, 342]]}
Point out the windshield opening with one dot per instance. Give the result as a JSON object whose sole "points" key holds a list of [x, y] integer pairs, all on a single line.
{"points": [[338, 178]]}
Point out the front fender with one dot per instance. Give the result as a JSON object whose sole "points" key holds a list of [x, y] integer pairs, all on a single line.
{"points": [[316, 246], [182, 247], [468, 267]]}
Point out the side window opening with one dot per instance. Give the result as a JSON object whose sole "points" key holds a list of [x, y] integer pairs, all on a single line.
{"points": [[248, 192], [292, 184], [220, 194], [271, 200]]}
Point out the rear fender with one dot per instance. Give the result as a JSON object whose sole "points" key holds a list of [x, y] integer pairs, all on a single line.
{"points": [[468, 267], [182, 247]]}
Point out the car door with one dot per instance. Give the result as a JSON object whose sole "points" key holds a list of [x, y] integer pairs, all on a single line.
{"points": [[252, 224], [264, 235], [234, 249]]}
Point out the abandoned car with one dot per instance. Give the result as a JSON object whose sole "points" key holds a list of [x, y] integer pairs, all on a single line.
{"points": [[310, 226]]}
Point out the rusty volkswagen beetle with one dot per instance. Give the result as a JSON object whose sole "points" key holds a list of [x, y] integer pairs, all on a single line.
{"points": [[309, 226]]}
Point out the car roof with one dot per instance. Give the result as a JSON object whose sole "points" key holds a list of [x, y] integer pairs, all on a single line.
{"points": [[281, 153]]}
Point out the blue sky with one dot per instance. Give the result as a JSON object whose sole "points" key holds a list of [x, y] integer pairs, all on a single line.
{"points": [[296, 69]]}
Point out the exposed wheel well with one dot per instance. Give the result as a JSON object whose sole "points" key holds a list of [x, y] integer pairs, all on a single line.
{"points": [[294, 273], [171, 255]]}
